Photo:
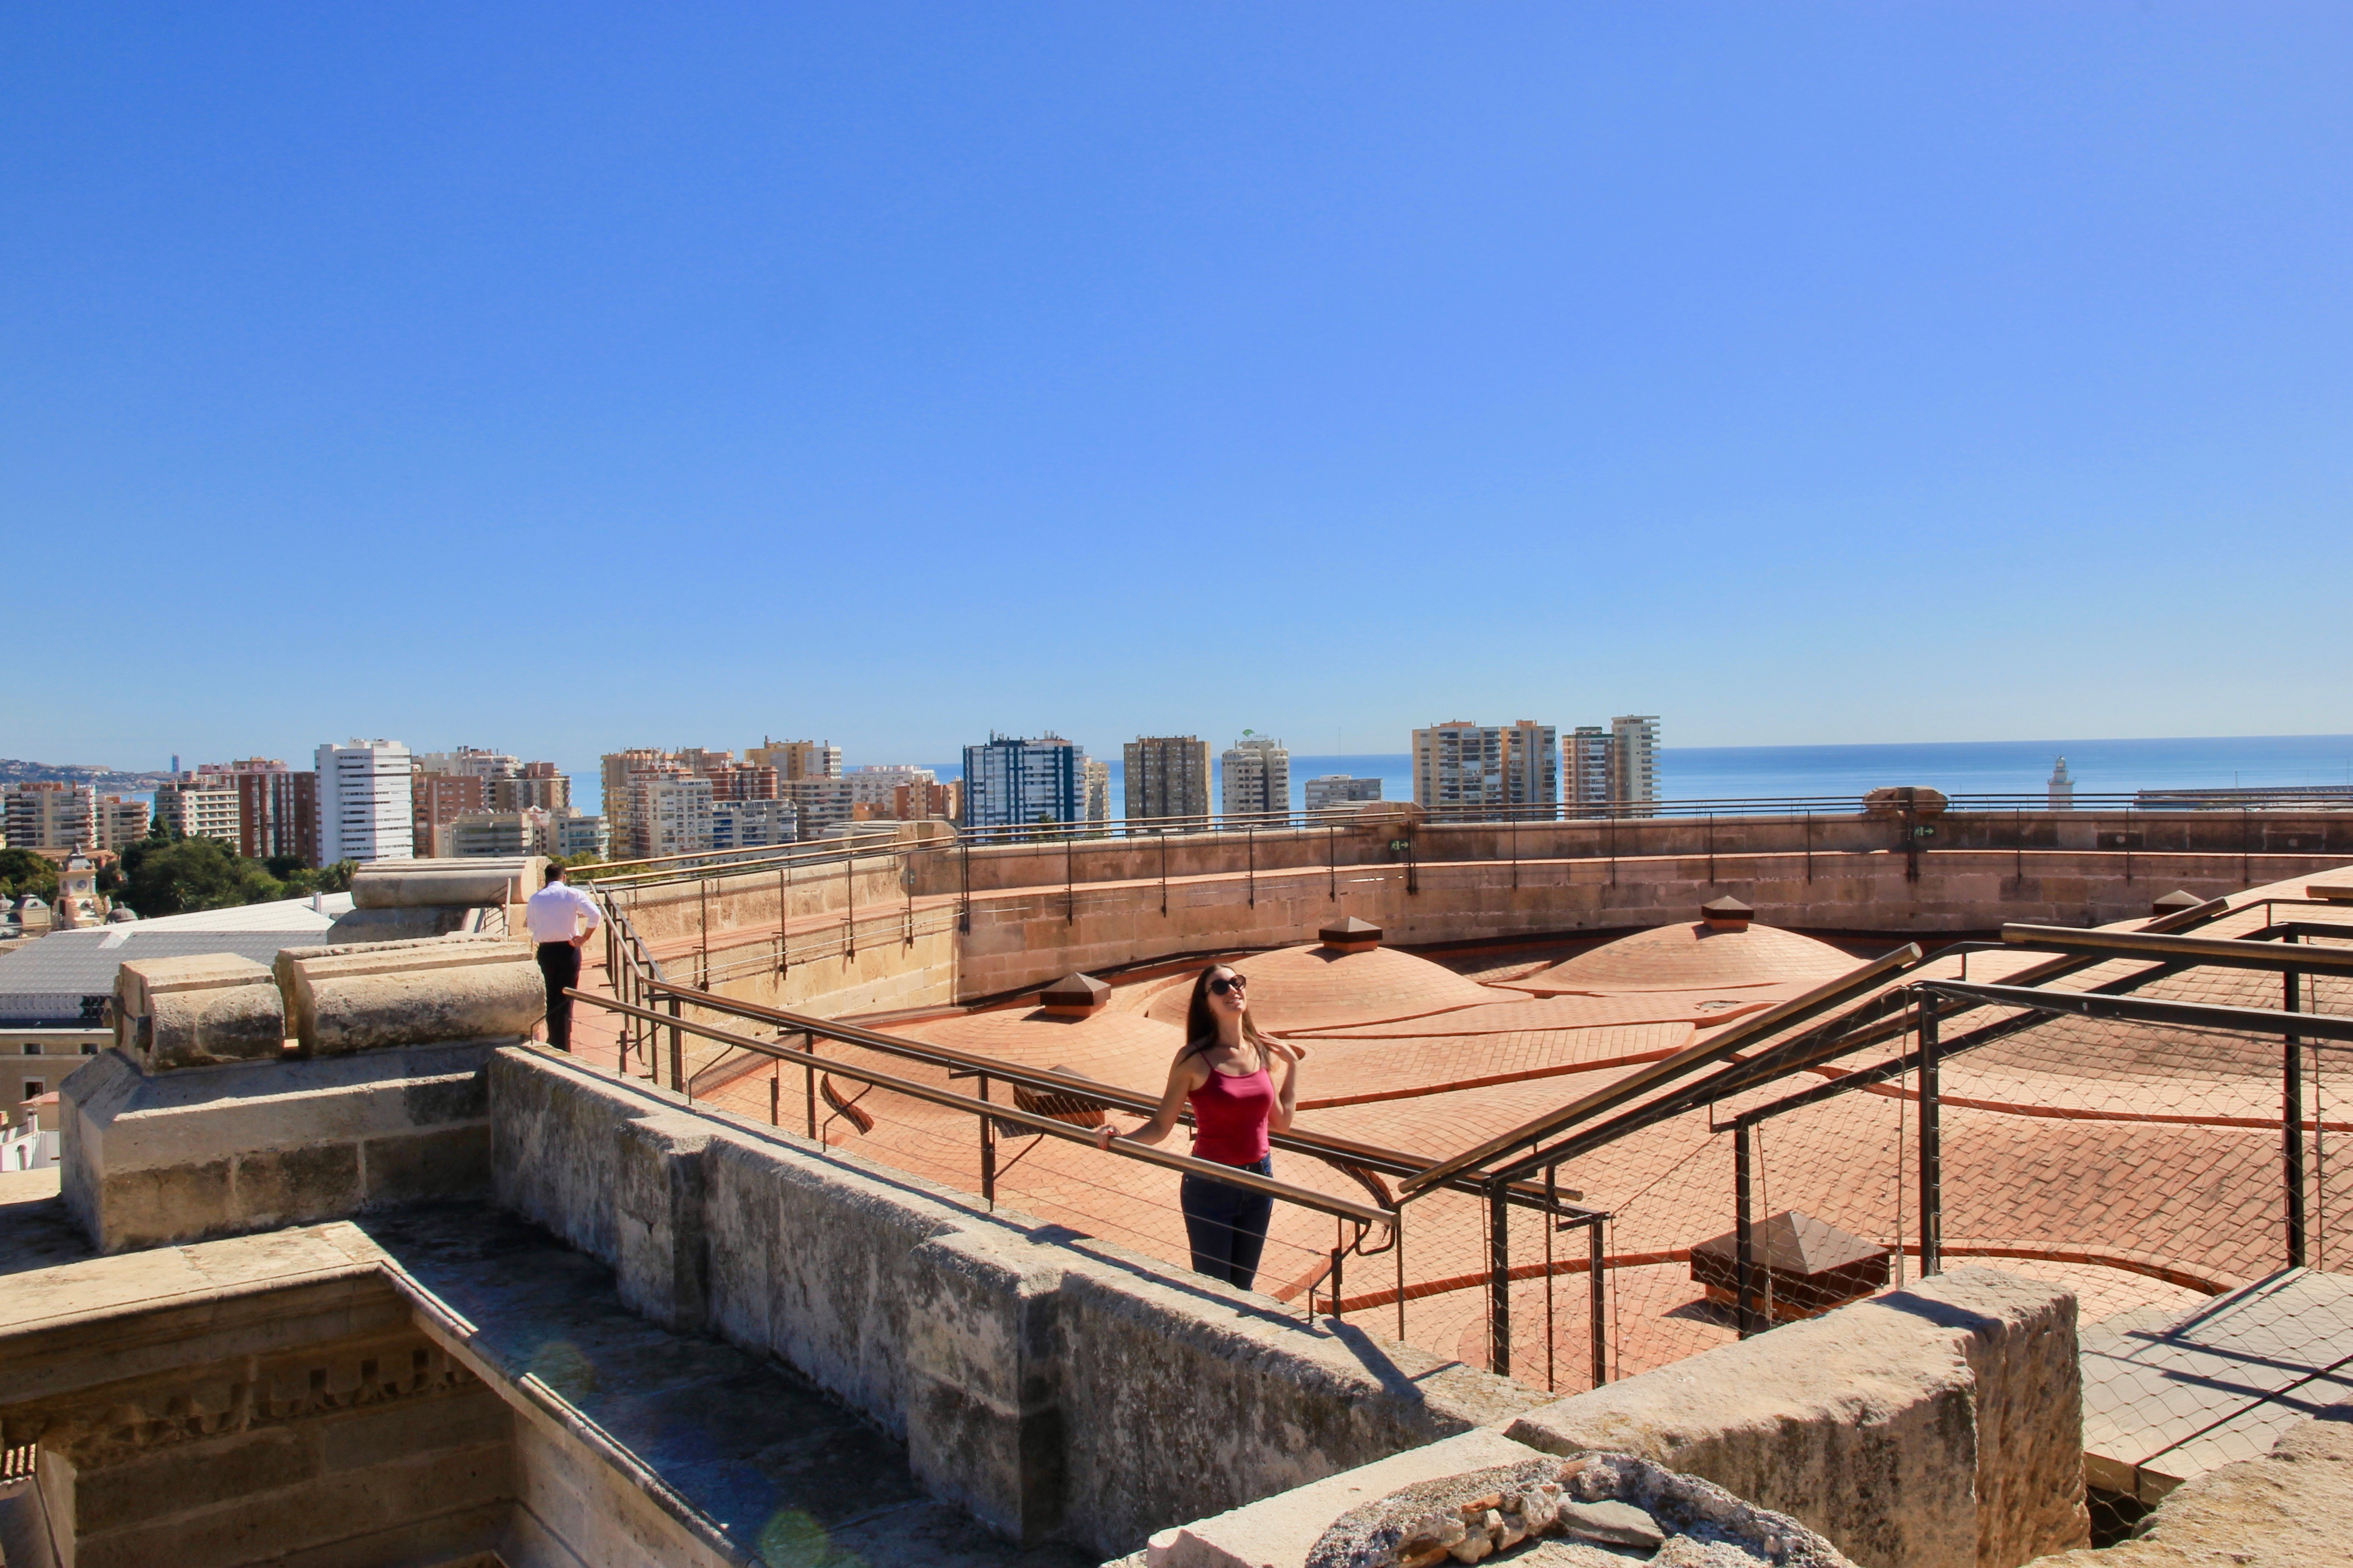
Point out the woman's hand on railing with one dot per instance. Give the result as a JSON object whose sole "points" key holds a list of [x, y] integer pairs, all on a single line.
{"points": [[1103, 1135]]}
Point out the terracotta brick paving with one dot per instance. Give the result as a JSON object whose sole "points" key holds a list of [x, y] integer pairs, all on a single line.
{"points": [[2094, 1185]]}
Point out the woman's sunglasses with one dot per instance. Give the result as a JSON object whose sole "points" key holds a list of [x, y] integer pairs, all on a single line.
{"points": [[1226, 985]]}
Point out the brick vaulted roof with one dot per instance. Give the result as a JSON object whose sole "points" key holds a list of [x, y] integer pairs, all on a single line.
{"points": [[1316, 988], [1695, 957]]}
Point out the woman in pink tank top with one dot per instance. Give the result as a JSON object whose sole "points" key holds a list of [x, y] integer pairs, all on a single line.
{"points": [[1241, 1085]]}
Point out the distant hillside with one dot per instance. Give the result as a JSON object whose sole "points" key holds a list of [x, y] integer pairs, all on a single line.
{"points": [[111, 780]]}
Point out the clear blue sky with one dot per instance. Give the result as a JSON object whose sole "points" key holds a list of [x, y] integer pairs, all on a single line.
{"points": [[570, 377]]}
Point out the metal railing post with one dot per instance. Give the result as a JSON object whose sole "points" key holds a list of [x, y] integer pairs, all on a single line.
{"points": [[1744, 1232], [1596, 1286], [1932, 1155], [2291, 1117], [677, 1053], [1498, 1279], [988, 1153], [809, 1084]]}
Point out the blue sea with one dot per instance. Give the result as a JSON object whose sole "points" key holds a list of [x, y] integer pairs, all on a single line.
{"points": [[1955, 767]]}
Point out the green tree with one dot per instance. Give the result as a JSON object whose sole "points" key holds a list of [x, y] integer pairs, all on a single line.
{"points": [[173, 876], [21, 872]]}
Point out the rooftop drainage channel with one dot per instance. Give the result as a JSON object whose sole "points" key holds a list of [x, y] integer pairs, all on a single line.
{"points": [[784, 1474]]}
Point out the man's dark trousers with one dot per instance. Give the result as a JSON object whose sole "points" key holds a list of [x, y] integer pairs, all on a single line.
{"points": [[559, 964]]}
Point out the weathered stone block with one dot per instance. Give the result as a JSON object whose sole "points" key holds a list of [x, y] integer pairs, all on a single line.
{"points": [[1933, 1427], [427, 884], [662, 1268], [198, 1011], [419, 994], [151, 1159]]}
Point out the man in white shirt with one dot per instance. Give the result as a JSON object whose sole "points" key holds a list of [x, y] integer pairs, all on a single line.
{"points": [[561, 918]]}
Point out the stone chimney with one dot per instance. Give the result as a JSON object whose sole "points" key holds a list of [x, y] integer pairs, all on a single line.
{"points": [[1074, 996], [1350, 935], [1726, 914]]}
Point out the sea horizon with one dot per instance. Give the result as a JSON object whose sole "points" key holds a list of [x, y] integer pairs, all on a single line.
{"points": [[1955, 767]]}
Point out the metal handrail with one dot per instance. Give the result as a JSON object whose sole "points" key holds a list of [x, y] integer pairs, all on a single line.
{"points": [[1306, 1197], [1321, 1146], [1636, 1084]]}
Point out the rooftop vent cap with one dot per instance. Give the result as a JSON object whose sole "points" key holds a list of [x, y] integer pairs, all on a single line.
{"points": [[2174, 903], [1726, 914], [1075, 996], [1350, 935]]}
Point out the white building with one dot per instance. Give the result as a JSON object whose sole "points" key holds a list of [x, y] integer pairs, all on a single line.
{"points": [[200, 805], [365, 812], [672, 812], [877, 786], [575, 832], [42, 813], [1339, 789], [1254, 777], [748, 824], [1634, 761], [821, 804], [1465, 770], [469, 763], [2061, 787]]}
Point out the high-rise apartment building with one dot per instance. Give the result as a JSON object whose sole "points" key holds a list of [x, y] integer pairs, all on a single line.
{"points": [[365, 811], [1095, 780], [1634, 762], [670, 813], [436, 799], [742, 780], [1462, 770], [749, 824], [822, 803], [617, 772], [574, 832], [797, 759], [276, 809], [48, 813], [1010, 782], [119, 822], [1339, 789], [202, 805], [875, 787], [537, 785], [1254, 777], [470, 761], [1166, 775], [1585, 758]]}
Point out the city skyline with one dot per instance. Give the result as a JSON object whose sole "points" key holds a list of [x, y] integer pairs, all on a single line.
{"points": [[1911, 352]]}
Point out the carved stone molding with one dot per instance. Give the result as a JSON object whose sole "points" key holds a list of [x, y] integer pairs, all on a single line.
{"points": [[108, 1424]]}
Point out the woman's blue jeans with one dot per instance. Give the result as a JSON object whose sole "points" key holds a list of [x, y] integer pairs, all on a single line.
{"points": [[1227, 1226]]}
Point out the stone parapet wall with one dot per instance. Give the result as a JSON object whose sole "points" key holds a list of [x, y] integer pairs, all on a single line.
{"points": [[882, 950], [1056, 1387], [151, 1160], [1936, 1427]]}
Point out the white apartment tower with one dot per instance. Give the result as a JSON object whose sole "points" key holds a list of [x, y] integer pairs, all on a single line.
{"points": [[1254, 775], [365, 812], [1465, 770], [1634, 761]]}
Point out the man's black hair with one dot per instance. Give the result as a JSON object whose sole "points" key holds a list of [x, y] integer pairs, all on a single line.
{"points": [[554, 874]]}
